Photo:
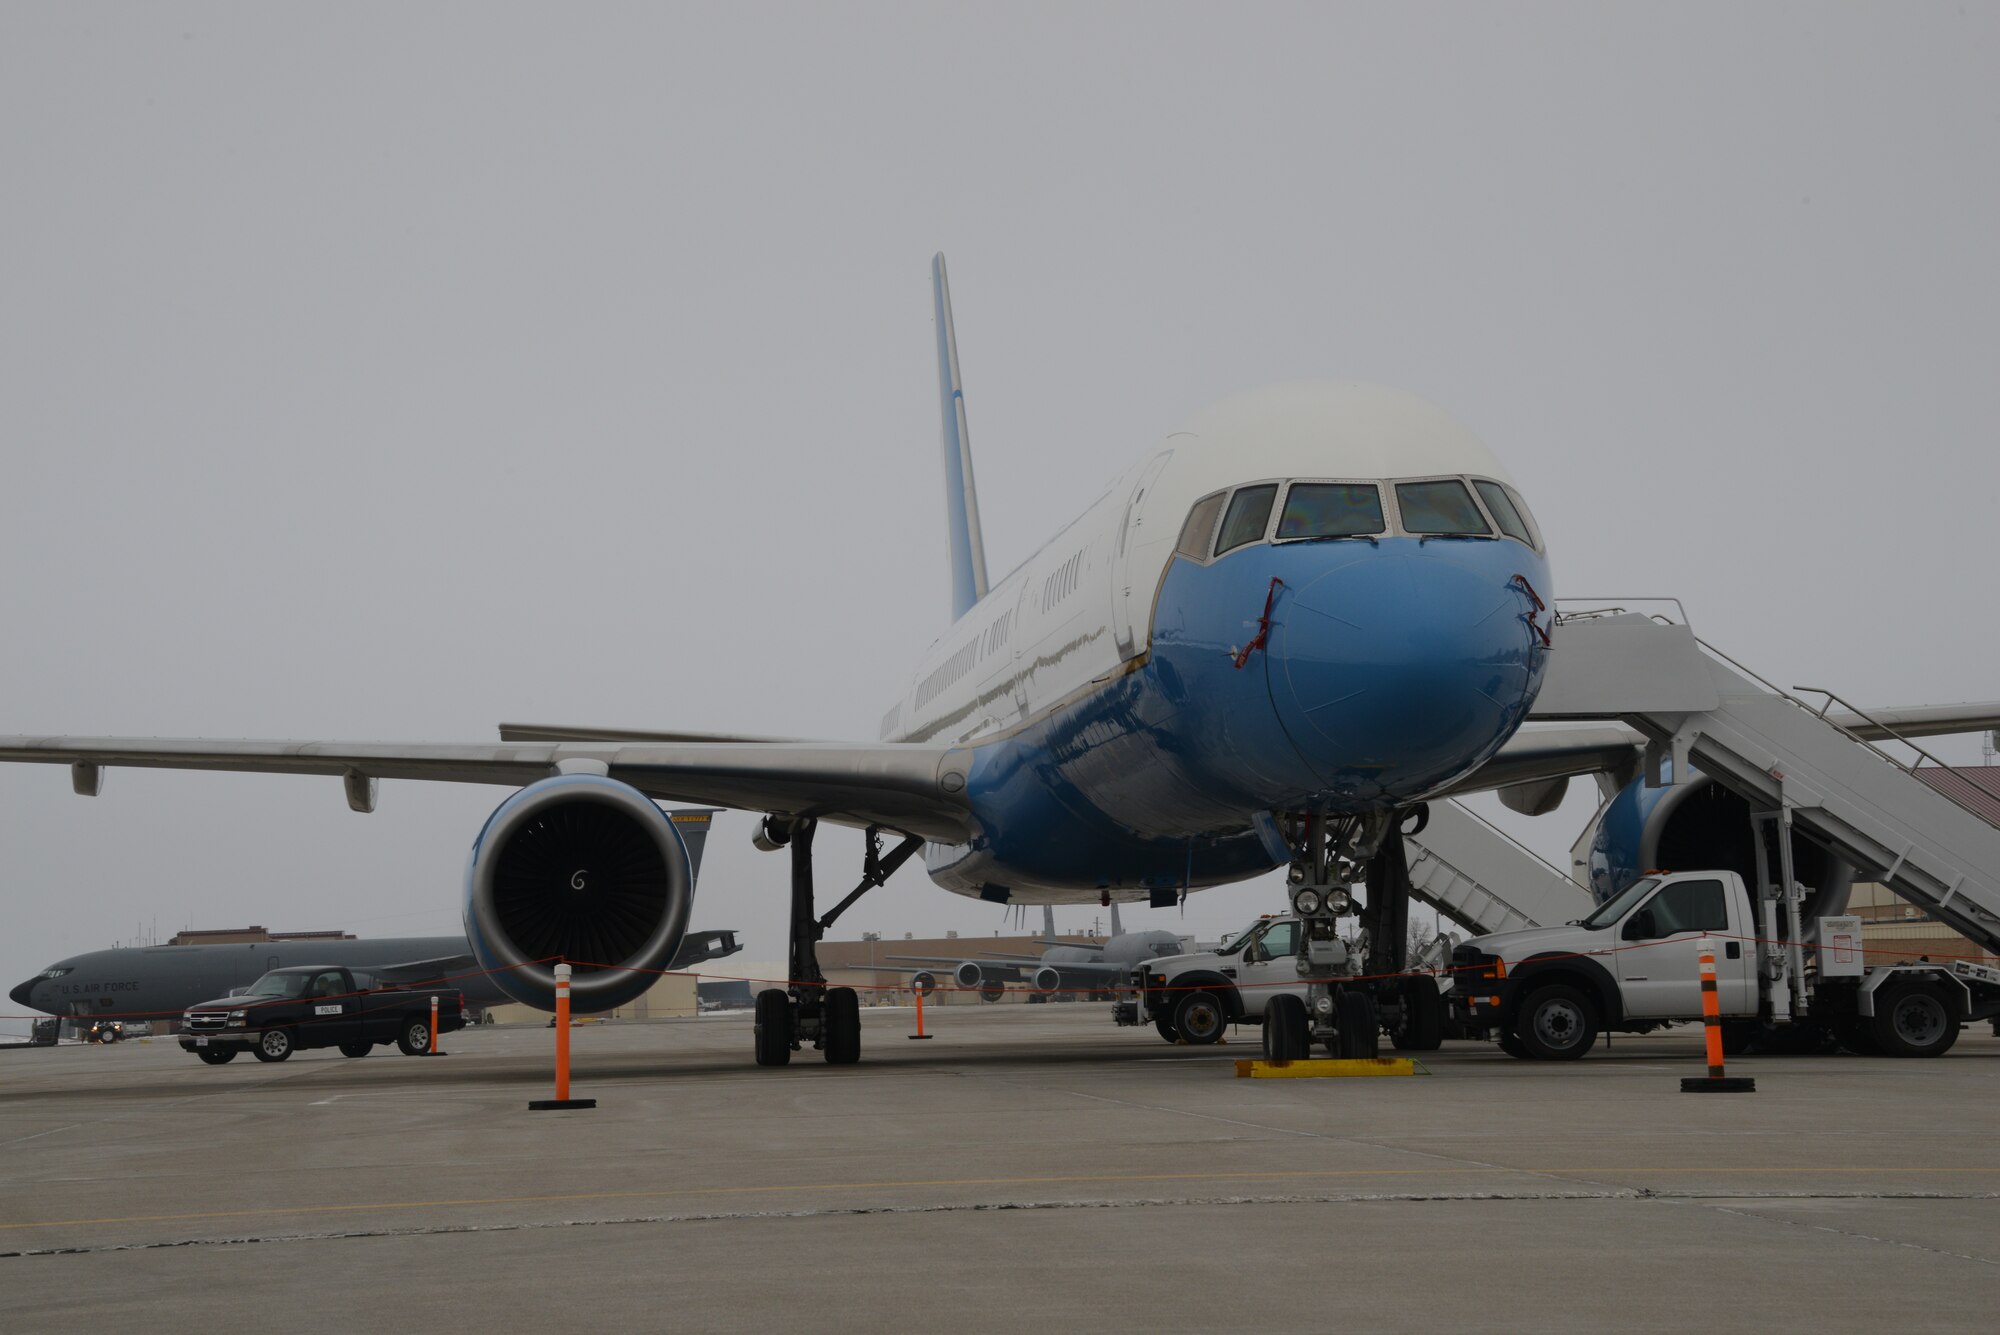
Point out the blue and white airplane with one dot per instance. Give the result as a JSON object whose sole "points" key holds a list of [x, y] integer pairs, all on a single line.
{"points": [[1271, 639]]}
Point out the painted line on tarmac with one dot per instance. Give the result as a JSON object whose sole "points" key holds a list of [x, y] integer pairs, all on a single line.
{"points": [[1092, 1179], [1636, 1195]]}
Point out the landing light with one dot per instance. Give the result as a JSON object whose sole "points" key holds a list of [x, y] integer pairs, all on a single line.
{"points": [[1306, 902]]}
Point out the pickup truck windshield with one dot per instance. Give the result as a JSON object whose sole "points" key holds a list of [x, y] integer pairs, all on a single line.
{"points": [[279, 985], [1614, 909]]}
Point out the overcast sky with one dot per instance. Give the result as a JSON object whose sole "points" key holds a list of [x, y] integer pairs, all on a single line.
{"points": [[387, 371]]}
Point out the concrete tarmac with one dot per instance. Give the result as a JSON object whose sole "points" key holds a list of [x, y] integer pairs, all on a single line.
{"points": [[1028, 1168]]}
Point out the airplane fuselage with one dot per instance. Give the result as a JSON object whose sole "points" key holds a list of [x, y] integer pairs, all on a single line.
{"points": [[1231, 632]]}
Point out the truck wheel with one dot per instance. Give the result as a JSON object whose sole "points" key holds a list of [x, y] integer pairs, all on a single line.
{"points": [[1513, 1046], [216, 1056], [774, 1027], [1917, 1019], [415, 1037], [1201, 1017], [1360, 1027], [1557, 1023], [1420, 1027], [275, 1045], [842, 1009], [1738, 1037], [356, 1049], [1287, 1036], [1858, 1038], [1165, 1025]]}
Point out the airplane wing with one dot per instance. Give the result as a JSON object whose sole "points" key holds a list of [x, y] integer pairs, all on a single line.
{"points": [[917, 789], [998, 961]]}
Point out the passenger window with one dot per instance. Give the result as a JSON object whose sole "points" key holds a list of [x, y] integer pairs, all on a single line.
{"points": [[1331, 510], [1281, 940], [1200, 523], [1248, 515], [1689, 906], [1439, 507], [1501, 506]]}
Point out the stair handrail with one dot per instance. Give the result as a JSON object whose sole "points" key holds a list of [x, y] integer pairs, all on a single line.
{"points": [[1833, 699]]}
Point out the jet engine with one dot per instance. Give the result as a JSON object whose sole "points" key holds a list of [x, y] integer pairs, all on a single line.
{"points": [[969, 975], [579, 868], [1047, 979], [1694, 825], [924, 981]]}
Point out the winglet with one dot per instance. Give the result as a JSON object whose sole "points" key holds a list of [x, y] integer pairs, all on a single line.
{"points": [[961, 499]]}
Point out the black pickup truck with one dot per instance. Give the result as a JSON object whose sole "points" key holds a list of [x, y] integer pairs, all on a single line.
{"points": [[318, 1007]]}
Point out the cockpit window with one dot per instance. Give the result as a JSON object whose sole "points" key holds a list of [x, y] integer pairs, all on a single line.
{"points": [[1200, 523], [1249, 512], [1443, 507], [1527, 519], [1501, 506], [57, 973], [1331, 510]]}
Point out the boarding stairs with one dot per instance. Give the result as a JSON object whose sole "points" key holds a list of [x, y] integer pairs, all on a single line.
{"points": [[1474, 873], [1696, 705]]}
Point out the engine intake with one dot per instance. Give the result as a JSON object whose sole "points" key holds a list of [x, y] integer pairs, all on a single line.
{"points": [[579, 868], [969, 975]]}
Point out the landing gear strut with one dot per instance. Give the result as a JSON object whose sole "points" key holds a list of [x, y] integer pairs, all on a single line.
{"points": [[806, 1010]]}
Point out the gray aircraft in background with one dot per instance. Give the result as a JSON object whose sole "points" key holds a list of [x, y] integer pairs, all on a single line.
{"points": [[159, 982], [1063, 968]]}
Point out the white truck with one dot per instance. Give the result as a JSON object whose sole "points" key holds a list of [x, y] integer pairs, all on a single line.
{"points": [[1197, 997], [1632, 966]]}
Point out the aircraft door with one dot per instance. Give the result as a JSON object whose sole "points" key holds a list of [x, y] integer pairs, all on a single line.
{"points": [[1131, 606]]}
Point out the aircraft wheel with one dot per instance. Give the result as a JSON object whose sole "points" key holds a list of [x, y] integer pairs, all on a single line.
{"points": [[1360, 1033], [356, 1049], [774, 1027], [275, 1045], [415, 1038], [1287, 1035], [216, 1056], [1420, 1028], [1201, 1017], [843, 1026]]}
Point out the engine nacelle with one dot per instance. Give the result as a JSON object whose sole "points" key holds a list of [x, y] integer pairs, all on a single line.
{"points": [[969, 976], [924, 981], [1047, 979], [1693, 826], [579, 868]]}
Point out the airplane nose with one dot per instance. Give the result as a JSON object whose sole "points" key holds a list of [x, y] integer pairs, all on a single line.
{"points": [[24, 995], [1405, 665]]}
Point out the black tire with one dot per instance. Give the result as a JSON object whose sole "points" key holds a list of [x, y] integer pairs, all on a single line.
{"points": [[216, 1056], [1556, 1023], [991, 994], [414, 1038], [1513, 1047], [356, 1049], [275, 1045], [1915, 1019], [842, 1012], [774, 1027], [1420, 1028], [1360, 1028], [1287, 1035], [1164, 1025], [1201, 1017], [1738, 1037]]}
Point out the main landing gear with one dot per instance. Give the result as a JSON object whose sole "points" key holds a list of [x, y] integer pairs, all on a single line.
{"points": [[1350, 1001], [806, 1010]]}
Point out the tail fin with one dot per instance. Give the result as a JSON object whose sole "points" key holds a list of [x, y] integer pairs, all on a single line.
{"points": [[961, 499], [1117, 928]]}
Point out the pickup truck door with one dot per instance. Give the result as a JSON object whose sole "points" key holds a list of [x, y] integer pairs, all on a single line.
{"points": [[1659, 970], [1269, 966], [333, 1013]]}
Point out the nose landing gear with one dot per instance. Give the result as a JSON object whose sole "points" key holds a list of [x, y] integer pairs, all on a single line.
{"points": [[806, 1010]]}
